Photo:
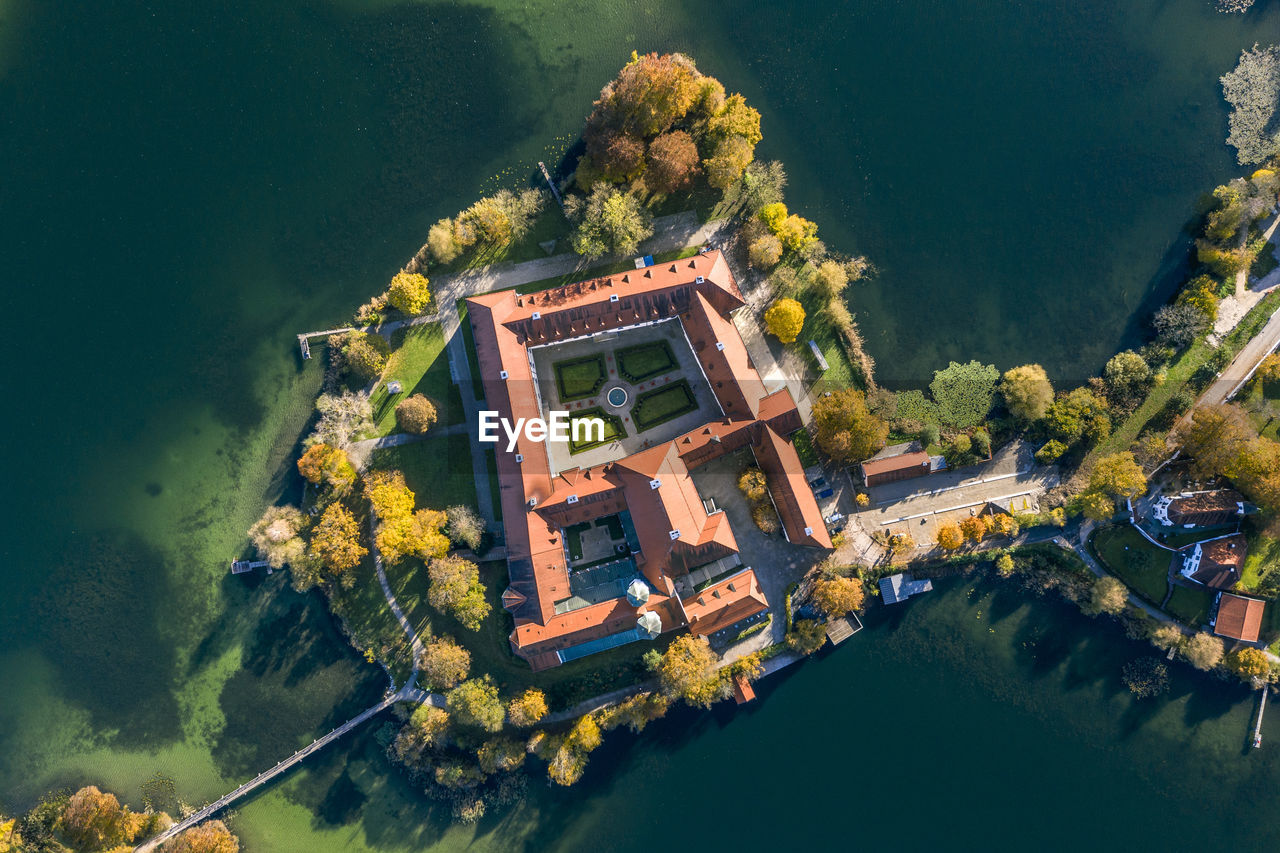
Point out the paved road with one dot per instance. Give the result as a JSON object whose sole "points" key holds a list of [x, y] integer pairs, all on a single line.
{"points": [[1244, 364]]}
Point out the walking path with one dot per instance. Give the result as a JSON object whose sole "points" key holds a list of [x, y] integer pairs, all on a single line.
{"points": [[360, 451]]}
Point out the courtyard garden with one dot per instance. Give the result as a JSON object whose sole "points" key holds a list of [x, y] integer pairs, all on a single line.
{"points": [[613, 429], [645, 361], [659, 405], [580, 378]]}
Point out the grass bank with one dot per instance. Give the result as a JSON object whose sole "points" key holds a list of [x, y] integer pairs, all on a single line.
{"points": [[419, 364]]}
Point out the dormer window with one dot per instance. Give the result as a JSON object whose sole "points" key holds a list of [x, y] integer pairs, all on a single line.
{"points": [[519, 457], [613, 297], [572, 499], [537, 315], [502, 375], [699, 279], [675, 534], [719, 346], [533, 502], [808, 531], [653, 484]]}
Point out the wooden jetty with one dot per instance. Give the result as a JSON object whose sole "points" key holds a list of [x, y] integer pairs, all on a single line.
{"points": [[304, 339], [839, 630], [1257, 727], [555, 191], [239, 567]]}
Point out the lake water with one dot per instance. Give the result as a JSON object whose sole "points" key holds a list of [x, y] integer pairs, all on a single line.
{"points": [[187, 185]]}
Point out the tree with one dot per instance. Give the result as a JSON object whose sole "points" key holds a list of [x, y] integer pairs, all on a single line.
{"points": [[765, 518], [277, 535], [901, 543], [753, 485], [1249, 664], [1253, 90], [736, 118], [527, 708], [441, 243], [688, 671], [1077, 414], [456, 589], [1203, 650], [1127, 375], [784, 320], [1165, 636], [1118, 474], [838, 596], [728, 163], [362, 355], [1004, 565], [636, 712], [807, 636], [762, 184], [342, 417], [1049, 454], [608, 221], [1201, 293], [443, 664], [409, 292], [209, 837], [649, 95], [335, 540], [416, 414], [673, 162], [498, 220], [844, 427], [964, 392], [1097, 505], [974, 528], [93, 819], [1146, 677], [1027, 392], [981, 443], [1178, 325], [476, 703], [830, 278], [1217, 438], [950, 537], [1107, 596], [617, 156], [773, 215], [465, 526], [1005, 525], [797, 233], [424, 729], [321, 463], [765, 252]]}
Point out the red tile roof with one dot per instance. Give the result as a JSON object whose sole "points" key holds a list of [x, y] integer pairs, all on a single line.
{"points": [[724, 603], [674, 530], [1239, 618], [914, 459]]}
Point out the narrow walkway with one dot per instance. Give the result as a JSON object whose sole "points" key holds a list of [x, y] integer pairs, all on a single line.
{"points": [[415, 644], [360, 451]]}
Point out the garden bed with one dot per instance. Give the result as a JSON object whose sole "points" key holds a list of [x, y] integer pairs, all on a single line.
{"points": [[645, 361], [613, 429], [580, 378], [660, 405]]}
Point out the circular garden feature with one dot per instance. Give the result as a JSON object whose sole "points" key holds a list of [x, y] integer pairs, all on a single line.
{"points": [[617, 397]]}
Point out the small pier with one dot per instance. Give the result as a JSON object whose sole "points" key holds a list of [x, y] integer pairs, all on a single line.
{"points": [[304, 339], [839, 630], [239, 567], [1257, 727], [555, 191]]}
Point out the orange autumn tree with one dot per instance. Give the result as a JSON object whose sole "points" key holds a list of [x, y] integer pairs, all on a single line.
{"points": [[329, 465]]}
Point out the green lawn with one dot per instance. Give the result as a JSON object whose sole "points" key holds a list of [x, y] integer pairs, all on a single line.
{"points": [[659, 405], [804, 447], [1262, 402], [363, 610], [645, 361], [1190, 605], [580, 378], [468, 340], [1141, 565], [1262, 566], [613, 429], [437, 469], [418, 362]]}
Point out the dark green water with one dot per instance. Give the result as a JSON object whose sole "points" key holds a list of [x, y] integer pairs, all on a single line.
{"points": [[186, 185]]}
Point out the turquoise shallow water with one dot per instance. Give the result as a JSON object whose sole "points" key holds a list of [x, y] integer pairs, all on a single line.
{"points": [[185, 187]]}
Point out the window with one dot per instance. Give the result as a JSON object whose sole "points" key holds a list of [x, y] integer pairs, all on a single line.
{"points": [[537, 315], [573, 499], [699, 279], [502, 375], [613, 297], [675, 534], [653, 484], [519, 457]]}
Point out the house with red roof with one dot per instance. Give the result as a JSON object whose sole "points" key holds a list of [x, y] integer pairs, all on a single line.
{"points": [[562, 613]]}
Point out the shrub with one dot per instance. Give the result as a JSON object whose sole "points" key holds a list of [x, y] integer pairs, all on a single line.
{"points": [[765, 518], [964, 393], [416, 414]]}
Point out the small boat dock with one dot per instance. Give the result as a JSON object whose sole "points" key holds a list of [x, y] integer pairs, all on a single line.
{"points": [[839, 630], [1257, 727], [239, 567]]}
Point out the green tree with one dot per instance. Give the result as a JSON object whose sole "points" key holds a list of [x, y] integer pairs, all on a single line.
{"points": [[1217, 438], [807, 636], [729, 162], [1079, 413], [475, 703], [608, 221], [362, 355], [964, 393], [688, 671], [416, 414], [1127, 375], [409, 292], [784, 320], [443, 664], [455, 588], [500, 755], [1108, 596], [844, 427], [1027, 392]]}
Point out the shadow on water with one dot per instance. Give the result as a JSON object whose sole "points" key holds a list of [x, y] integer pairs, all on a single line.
{"points": [[99, 619]]}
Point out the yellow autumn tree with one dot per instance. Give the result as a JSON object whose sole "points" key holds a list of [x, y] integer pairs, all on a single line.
{"points": [[409, 292], [335, 540], [784, 320], [950, 537]]}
